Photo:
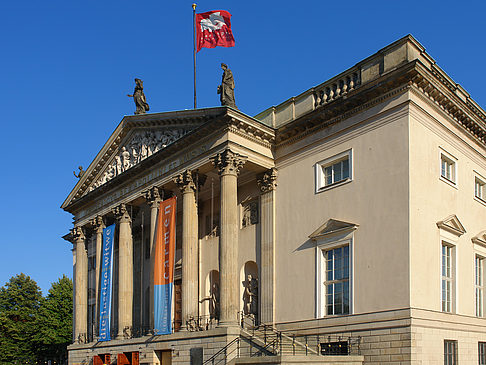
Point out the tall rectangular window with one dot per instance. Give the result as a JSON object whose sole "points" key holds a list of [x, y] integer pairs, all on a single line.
{"points": [[450, 352], [479, 189], [337, 281], [479, 285], [448, 168], [482, 353], [447, 277]]}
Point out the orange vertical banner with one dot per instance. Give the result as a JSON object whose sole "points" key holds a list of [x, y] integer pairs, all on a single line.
{"points": [[164, 266]]}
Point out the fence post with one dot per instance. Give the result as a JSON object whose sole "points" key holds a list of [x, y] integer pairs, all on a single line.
{"points": [[293, 344], [305, 345], [318, 345]]}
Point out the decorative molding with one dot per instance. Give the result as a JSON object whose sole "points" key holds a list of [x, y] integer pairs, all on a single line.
{"points": [[480, 239], [228, 162], [185, 181], [452, 224], [121, 213], [268, 180]]}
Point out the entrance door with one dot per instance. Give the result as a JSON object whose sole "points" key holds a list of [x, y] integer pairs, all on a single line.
{"points": [[178, 305]]}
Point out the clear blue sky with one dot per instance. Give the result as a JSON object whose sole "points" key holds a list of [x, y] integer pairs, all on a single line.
{"points": [[67, 66]]}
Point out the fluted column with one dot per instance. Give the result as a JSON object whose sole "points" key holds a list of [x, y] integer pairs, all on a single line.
{"points": [[153, 198], [267, 183], [229, 165], [125, 272], [98, 225], [81, 285], [187, 185]]}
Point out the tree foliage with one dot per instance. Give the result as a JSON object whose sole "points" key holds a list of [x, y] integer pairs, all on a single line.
{"points": [[54, 321], [32, 328], [20, 300]]}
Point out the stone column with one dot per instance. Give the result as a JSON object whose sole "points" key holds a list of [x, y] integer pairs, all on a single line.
{"points": [[186, 182], [153, 198], [125, 272], [229, 165], [267, 183], [98, 225], [81, 286]]}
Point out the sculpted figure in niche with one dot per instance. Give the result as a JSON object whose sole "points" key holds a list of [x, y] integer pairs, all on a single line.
{"points": [[227, 88], [139, 98], [80, 173], [213, 301], [251, 293]]}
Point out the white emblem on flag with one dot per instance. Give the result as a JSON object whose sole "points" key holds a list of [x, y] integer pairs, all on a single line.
{"points": [[214, 22]]}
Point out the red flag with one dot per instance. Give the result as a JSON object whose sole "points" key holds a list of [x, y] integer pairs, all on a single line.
{"points": [[214, 29]]}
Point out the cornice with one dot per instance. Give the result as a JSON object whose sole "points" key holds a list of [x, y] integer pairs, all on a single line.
{"points": [[434, 85]]}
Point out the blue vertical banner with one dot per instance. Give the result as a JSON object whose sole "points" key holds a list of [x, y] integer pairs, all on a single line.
{"points": [[106, 283]]}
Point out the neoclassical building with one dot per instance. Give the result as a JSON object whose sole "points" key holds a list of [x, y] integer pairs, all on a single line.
{"points": [[345, 225]]}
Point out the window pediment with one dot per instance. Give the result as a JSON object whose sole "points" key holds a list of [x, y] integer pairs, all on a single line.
{"points": [[332, 227], [480, 238], [452, 224]]}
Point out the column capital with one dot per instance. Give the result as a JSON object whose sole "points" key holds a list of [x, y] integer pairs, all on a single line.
{"points": [[98, 223], [121, 213], [268, 180], [153, 195], [78, 234], [185, 181], [188, 180], [228, 162]]}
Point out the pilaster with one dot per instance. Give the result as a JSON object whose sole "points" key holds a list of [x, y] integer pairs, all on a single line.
{"points": [[229, 164], [125, 272], [267, 182]]}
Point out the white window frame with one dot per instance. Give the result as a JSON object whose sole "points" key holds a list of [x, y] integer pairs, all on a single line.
{"points": [[322, 247], [451, 174], [479, 188], [320, 178], [479, 285], [448, 277], [450, 352]]}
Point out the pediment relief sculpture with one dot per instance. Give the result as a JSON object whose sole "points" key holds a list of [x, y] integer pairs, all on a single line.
{"points": [[142, 144]]}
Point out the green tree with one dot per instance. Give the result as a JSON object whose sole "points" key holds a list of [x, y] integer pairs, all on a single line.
{"points": [[54, 322], [20, 300]]}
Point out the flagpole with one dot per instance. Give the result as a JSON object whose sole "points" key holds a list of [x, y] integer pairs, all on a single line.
{"points": [[194, 52]]}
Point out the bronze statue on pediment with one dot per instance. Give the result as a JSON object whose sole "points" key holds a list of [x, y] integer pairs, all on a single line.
{"points": [[139, 98], [226, 90]]}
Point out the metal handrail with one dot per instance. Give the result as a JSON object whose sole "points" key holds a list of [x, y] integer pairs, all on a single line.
{"points": [[223, 350]]}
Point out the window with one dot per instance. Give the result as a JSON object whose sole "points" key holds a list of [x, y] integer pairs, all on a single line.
{"points": [[450, 352], [337, 281], [479, 285], [480, 189], [482, 353], [447, 277], [448, 168], [333, 171]]}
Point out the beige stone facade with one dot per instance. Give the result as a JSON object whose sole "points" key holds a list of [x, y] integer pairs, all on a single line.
{"points": [[358, 209]]}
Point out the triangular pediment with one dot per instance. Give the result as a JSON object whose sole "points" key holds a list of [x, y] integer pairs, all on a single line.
{"points": [[480, 238], [452, 224], [332, 226], [136, 139]]}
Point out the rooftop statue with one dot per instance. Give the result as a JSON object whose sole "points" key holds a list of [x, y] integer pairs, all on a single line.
{"points": [[227, 88], [139, 98], [80, 173]]}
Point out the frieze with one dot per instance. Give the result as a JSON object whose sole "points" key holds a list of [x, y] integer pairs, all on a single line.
{"points": [[143, 181]]}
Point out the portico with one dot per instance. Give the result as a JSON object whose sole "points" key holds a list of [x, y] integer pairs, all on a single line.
{"points": [[197, 172]]}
